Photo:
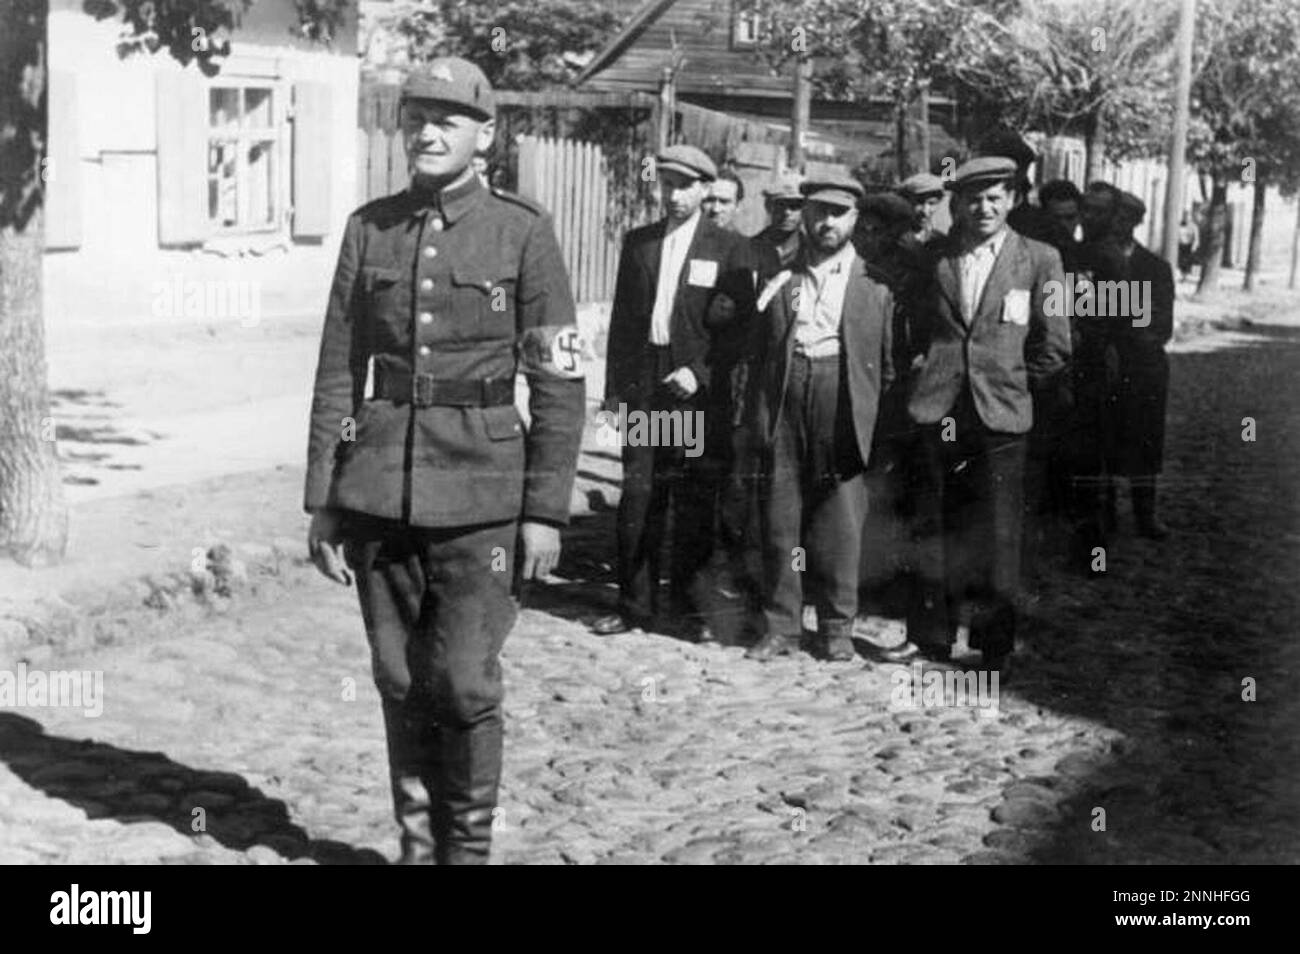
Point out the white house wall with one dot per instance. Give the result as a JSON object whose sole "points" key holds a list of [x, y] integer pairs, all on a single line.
{"points": [[115, 272]]}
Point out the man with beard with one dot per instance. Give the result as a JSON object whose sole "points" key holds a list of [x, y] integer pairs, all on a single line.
{"points": [[823, 360]]}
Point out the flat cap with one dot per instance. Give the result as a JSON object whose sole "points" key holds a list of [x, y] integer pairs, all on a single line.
{"points": [[889, 207], [453, 81], [1128, 202], [985, 170], [1008, 143], [688, 161], [920, 185], [785, 187], [836, 188]]}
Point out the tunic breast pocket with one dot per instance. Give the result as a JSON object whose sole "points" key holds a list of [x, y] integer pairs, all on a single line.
{"points": [[385, 293], [483, 302]]}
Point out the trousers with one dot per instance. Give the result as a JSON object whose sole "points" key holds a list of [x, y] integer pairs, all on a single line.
{"points": [[814, 504], [437, 606]]}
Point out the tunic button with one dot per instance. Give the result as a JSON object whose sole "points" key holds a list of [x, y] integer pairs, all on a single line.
{"points": [[426, 284], [430, 251], [424, 351], [425, 318], [436, 225]]}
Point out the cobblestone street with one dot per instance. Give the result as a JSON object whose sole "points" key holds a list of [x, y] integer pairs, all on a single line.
{"points": [[259, 724]]}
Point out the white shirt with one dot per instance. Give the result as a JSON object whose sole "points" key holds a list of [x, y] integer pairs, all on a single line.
{"points": [[821, 304], [975, 266], [677, 242]]}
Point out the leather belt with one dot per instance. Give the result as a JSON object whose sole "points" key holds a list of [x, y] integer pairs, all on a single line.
{"points": [[424, 390]]}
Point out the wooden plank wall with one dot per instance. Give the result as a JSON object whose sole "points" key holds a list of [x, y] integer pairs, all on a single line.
{"points": [[568, 178]]}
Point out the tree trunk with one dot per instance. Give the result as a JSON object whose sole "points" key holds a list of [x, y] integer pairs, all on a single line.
{"points": [[33, 516], [1095, 144], [1295, 247], [801, 109], [1212, 239], [1256, 234], [900, 137], [923, 108]]}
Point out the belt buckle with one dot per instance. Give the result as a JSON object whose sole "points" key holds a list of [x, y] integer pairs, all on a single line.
{"points": [[422, 390]]}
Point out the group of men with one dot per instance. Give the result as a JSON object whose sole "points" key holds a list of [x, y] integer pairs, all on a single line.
{"points": [[852, 336], [801, 357]]}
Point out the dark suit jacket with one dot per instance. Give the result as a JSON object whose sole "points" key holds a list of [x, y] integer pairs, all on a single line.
{"points": [[866, 347], [698, 312], [998, 359]]}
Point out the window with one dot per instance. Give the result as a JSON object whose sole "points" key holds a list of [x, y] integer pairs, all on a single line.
{"points": [[244, 167], [746, 28]]}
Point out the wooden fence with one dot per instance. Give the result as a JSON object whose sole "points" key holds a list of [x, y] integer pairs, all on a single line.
{"points": [[570, 179]]}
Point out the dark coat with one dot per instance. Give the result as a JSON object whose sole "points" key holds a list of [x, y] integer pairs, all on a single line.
{"points": [[465, 286], [998, 360], [699, 312], [866, 348]]}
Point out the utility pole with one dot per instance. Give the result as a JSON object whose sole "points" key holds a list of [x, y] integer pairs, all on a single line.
{"points": [[801, 108], [1178, 148]]}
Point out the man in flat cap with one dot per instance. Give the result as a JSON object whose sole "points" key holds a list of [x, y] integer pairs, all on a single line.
{"points": [[1024, 217], [722, 201], [987, 341], [823, 360], [925, 191], [681, 282], [1123, 423], [775, 247], [421, 477]]}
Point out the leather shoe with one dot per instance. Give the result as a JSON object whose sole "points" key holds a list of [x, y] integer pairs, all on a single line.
{"points": [[771, 645], [839, 648], [616, 623], [910, 650]]}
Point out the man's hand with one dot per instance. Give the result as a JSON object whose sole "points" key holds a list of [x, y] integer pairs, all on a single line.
{"points": [[325, 544], [682, 382], [541, 544]]}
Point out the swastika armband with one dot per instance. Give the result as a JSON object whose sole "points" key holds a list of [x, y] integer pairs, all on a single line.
{"points": [[556, 351]]}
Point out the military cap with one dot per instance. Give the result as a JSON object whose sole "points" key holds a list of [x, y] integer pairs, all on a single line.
{"points": [[984, 171], [688, 161], [453, 81], [1128, 202], [785, 187], [921, 185], [1009, 144], [836, 188], [890, 208]]}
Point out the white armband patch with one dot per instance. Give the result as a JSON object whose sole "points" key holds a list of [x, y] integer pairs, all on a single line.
{"points": [[557, 351]]}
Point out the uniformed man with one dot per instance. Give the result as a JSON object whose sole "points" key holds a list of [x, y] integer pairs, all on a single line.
{"points": [[420, 474]]}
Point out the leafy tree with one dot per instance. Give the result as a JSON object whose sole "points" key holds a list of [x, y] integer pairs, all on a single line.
{"points": [[33, 512], [1244, 108], [519, 44]]}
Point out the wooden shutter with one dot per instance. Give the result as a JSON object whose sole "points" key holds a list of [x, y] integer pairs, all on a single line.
{"points": [[182, 158], [313, 114], [63, 164]]}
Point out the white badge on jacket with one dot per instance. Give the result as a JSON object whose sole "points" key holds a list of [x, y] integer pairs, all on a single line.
{"points": [[703, 273], [1015, 306]]}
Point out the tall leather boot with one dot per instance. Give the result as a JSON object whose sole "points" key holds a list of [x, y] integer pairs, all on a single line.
{"points": [[470, 775], [413, 772], [1144, 508]]}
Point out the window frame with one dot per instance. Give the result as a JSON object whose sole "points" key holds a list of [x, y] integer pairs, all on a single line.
{"points": [[740, 18], [278, 133]]}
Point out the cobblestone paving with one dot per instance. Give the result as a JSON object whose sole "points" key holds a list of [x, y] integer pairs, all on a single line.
{"points": [[261, 723]]}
